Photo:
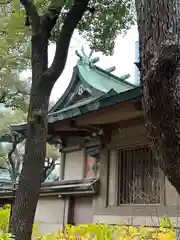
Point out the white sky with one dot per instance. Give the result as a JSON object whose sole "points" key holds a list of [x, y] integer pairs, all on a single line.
{"points": [[123, 59]]}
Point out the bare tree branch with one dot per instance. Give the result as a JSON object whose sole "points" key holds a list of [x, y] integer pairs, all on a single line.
{"points": [[62, 44], [12, 163], [49, 168], [2, 97], [16, 140], [32, 14]]}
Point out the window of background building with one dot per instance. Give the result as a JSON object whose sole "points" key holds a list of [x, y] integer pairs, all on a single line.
{"points": [[92, 162]]}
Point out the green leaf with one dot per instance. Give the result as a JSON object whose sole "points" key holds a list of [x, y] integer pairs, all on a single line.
{"points": [[16, 6]]}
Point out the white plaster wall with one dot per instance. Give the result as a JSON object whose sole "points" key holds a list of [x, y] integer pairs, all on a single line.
{"points": [[49, 214], [73, 165]]}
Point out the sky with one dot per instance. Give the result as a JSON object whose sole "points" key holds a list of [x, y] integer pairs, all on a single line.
{"points": [[123, 59]]}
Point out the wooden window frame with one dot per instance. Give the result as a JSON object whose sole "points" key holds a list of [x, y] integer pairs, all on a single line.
{"points": [[161, 175], [162, 179]]}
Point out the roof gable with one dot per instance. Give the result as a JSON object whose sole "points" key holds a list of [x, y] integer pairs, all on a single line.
{"points": [[88, 81]]}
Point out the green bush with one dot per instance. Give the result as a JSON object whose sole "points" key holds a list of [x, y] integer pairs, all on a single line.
{"points": [[4, 223], [107, 232], [94, 231]]}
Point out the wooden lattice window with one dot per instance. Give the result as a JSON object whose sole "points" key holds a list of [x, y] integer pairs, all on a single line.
{"points": [[139, 177]]}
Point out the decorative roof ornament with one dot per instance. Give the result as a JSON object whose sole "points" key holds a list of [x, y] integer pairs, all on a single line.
{"points": [[94, 60], [111, 69], [86, 59], [124, 77]]}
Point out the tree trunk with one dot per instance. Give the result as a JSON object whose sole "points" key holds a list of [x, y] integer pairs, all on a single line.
{"points": [[43, 80], [35, 148], [159, 37]]}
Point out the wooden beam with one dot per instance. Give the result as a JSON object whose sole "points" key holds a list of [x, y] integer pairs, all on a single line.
{"points": [[97, 130], [78, 133], [121, 124], [122, 111], [89, 128], [127, 123]]}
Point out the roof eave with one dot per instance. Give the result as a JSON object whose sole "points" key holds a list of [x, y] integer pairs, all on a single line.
{"points": [[63, 188], [99, 103], [96, 105]]}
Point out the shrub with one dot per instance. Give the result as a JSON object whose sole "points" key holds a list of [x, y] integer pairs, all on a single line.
{"points": [[4, 223], [94, 231]]}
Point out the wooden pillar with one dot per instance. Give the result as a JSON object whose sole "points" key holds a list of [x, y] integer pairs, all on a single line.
{"points": [[100, 202], [62, 165], [84, 162], [104, 176]]}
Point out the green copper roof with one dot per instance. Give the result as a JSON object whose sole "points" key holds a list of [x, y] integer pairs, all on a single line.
{"points": [[101, 79], [93, 79]]}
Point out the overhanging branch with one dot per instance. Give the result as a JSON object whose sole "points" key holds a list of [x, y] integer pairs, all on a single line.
{"points": [[32, 14], [49, 168], [72, 19]]}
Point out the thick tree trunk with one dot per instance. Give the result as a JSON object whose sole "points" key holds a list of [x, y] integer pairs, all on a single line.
{"points": [[35, 148], [43, 80], [32, 174], [159, 36]]}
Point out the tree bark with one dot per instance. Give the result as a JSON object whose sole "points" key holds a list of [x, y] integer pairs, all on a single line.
{"points": [[35, 148], [159, 38], [43, 80]]}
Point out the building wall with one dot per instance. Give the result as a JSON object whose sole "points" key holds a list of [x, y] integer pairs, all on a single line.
{"points": [[51, 210], [50, 213], [74, 165], [106, 208]]}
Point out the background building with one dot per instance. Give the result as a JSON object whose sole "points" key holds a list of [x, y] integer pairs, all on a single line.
{"points": [[137, 59]]}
